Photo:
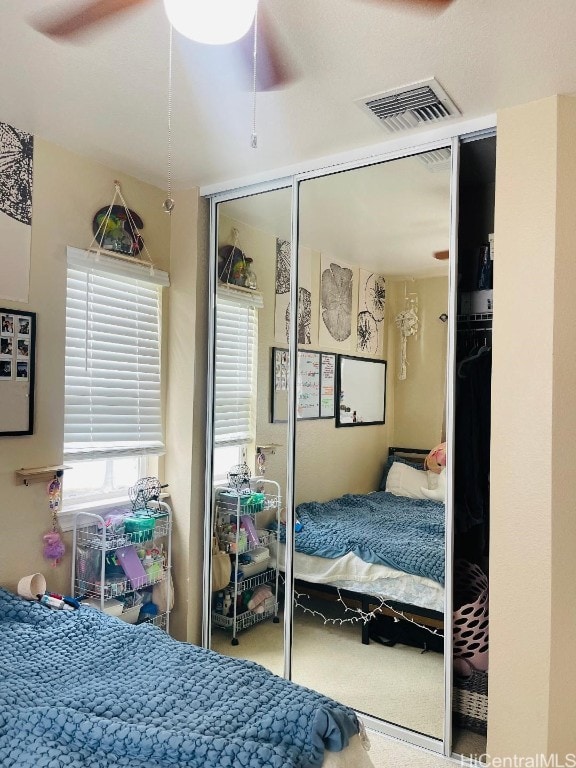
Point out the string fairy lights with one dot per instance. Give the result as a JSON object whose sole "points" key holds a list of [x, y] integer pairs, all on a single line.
{"points": [[358, 614]]}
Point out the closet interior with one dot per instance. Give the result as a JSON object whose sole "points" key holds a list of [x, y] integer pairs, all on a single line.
{"points": [[472, 392]]}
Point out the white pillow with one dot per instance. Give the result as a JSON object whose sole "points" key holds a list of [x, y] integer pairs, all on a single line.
{"points": [[437, 493], [404, 480]]}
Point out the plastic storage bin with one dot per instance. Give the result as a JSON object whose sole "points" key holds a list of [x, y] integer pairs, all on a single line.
{"points": [[140, 528]]}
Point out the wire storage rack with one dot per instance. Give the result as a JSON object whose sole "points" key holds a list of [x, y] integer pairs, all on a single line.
{"points": [[240, 517], [108, 568]]}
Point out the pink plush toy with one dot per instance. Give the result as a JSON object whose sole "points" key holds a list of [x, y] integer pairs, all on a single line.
{"points": [[436, 459], [53, 547], [260, 595]]}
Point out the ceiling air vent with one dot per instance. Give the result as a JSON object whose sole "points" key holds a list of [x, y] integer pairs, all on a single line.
{"points": [[410, 106], [437, 160]]}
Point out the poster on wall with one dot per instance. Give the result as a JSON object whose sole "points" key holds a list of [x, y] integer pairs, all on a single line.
{"points": [[336, 292], [315, 386], [327, 386], [282, 306], [308, 387], [16, 172], [371, 313], [17, 338]]}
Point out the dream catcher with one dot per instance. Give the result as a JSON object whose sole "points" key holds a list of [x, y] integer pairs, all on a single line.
{"points": [[53, 549], [407, 322], [143, 491]]}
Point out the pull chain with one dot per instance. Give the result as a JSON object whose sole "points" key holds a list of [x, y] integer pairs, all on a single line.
{"points": [[254, 137], [168, 204]]}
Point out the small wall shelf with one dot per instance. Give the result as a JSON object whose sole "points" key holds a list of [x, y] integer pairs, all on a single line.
{"points": [[40, 474]]}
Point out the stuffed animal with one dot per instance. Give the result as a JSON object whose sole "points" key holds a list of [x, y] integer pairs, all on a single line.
{"points": [[436, 459], [439, 492], [259, 596], [53, 547]]}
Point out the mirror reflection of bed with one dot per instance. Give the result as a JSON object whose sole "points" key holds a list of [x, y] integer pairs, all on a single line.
{"points": [[385, 220], [366, 270]]}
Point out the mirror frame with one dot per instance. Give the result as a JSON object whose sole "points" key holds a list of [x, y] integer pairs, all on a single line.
{"points": [[379, 397]]}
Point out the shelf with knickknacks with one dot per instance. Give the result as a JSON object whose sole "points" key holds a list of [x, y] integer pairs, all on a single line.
{"points": [[235, 267]]}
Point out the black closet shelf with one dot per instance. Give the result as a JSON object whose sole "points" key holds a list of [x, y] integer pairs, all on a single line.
{"points": [[483, 317]]}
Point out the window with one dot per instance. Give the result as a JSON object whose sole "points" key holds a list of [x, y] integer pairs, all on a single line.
{"points": [[225, 457], [113, 408], [101, 479], [235, 375]]}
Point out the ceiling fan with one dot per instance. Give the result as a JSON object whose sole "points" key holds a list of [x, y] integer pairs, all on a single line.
{"points": [[202, 21]]}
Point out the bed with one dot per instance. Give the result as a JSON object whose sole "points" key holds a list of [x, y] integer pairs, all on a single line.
{"points": [[376, 546], [82, 689]]}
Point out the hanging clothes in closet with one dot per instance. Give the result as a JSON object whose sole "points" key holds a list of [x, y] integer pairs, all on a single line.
{"points": [[472, 446]]}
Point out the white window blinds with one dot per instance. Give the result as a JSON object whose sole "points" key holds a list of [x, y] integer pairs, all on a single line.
{"points": [[235, 375], [112, 375]]}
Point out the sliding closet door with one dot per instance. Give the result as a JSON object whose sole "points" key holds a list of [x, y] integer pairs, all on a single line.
{"points": [[248, 452], [331, 379], [370, 552]]}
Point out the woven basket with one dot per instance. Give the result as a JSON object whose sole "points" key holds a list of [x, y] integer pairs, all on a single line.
{"points": [[470, 702]]}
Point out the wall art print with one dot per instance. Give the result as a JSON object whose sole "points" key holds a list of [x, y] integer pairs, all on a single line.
{"points": [[336, 293], [371, 313], [282, 307], [16, 173]]}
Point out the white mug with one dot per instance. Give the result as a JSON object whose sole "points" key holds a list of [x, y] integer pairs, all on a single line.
{"points": [[32, 586]]}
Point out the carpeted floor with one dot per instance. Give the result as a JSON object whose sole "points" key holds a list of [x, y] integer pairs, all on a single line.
{"points": [[391, 753], [400, 685]]}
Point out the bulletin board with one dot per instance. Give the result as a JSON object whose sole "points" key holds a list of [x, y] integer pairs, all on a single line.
{"points": [[17, 356], [315, 390]]}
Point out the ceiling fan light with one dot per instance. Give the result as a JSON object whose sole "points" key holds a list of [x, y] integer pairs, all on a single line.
{"points": [[216, 22]]}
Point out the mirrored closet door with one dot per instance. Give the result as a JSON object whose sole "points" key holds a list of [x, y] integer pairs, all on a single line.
{"points": [[248, 489], [331, 534], [373, 278]]}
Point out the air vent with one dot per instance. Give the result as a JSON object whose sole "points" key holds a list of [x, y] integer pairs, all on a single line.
{"points": [[410, 106], [437, 160]]}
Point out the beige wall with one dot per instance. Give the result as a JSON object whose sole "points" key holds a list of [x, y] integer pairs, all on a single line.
{"points": [[186, 407], [419, 400], [532, 692], [68, 190]]}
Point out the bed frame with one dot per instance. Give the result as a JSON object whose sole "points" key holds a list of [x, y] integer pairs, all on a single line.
{"points": [[368, 603]]}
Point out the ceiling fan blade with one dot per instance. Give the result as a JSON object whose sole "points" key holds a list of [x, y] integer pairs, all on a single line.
{"points": [[80, 19], [274, 67], [417, 5]]}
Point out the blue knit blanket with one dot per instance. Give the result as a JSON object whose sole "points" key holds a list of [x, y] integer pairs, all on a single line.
{"points": [[84, 690], [406, 534]]}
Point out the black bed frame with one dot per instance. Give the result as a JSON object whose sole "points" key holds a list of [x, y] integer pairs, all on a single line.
{"points": [[424, 616], [394, 608]]}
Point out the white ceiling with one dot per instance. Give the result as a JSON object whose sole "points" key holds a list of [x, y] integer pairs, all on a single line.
{"points": [[389, 218], [105, 96]]}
